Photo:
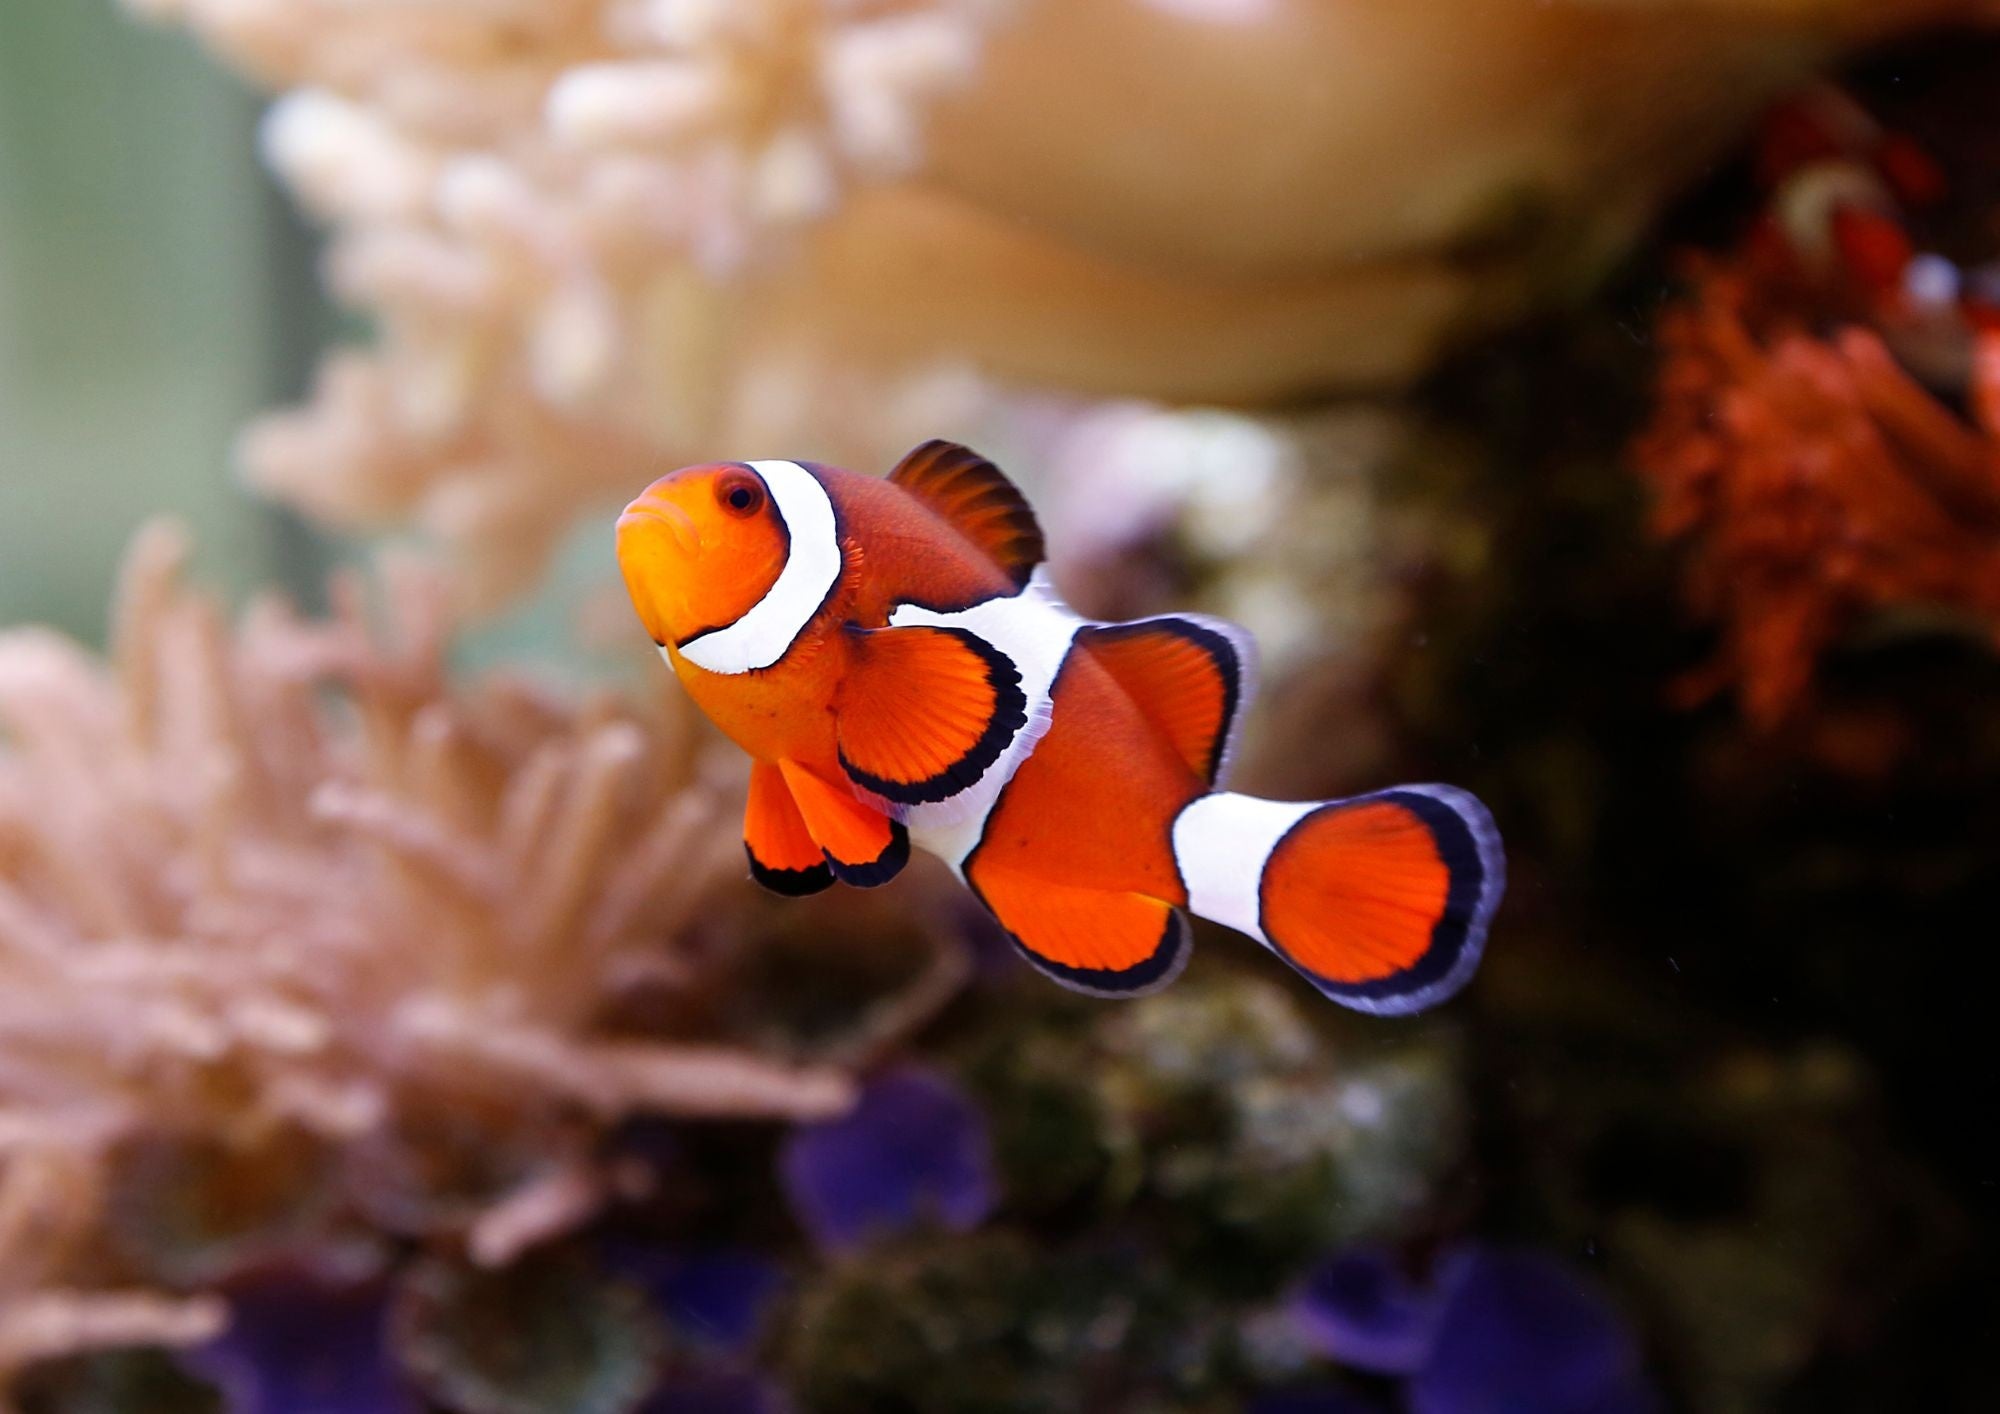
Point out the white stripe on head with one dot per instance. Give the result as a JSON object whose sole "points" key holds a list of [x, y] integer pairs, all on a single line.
{"points": [[765, 632]]}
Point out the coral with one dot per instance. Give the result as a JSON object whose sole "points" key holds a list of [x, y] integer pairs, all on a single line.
{"points": [[551, 1333], [1819, 483], [1256, 203], [1161, 1173], [293, 1349], [1359, 1309], [285, 917], [1804, 441], [1286, 523], [913, 1148], [717, 1304], [557, 1331], [546, 207], [596, 236], [1001, 1323], [715, 1299], [1249, 1135], [1495, 1329], [1519, 1330]]}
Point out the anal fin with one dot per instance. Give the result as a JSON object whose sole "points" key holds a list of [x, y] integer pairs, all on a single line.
{"points": [[1090, 940]]}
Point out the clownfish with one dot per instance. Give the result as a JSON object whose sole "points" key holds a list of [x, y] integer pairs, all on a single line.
{"points": [[891, 655]]}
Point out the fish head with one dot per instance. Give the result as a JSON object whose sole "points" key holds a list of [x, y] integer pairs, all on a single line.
{"points": [[699, 548]]}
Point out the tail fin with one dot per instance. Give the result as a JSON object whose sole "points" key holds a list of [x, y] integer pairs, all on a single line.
{"points": [[1382, 901]]}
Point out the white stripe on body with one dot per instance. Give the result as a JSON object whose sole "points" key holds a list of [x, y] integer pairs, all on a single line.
{"points": [[1222, 843], [766, 630], [1034, 629]]}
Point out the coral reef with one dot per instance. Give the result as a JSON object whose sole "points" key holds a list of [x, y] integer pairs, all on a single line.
{"points": [[1827, 429], [300, 943], [599, 235], [544, 207], [1495, 1329], [1164, 1172], [850, 1177], [377, 1038], [987, 1233]]}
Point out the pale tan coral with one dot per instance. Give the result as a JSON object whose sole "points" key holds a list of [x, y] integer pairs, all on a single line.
{"points": [[553, 209], [281, 886], [47, 1195]]}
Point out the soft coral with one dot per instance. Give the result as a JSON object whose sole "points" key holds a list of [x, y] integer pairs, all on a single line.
{"points": [[1815, 479]]}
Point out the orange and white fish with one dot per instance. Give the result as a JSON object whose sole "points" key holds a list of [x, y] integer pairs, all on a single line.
{"points": [[891, 655]]}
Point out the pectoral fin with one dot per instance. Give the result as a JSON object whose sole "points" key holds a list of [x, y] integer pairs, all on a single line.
{"points": [[924, 711]]}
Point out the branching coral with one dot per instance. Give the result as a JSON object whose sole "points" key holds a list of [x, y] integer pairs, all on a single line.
{"points": [[543, 204], [284, 918]]}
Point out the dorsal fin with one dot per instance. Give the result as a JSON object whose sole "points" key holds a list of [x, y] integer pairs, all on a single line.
{"points": [[978, 500], [1191, 677]]}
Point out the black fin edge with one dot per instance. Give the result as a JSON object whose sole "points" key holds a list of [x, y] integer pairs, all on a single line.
{"points": [[1476, 864], [792, 883], [1220, 651], [1010, 714], [882, 868], [1164, 964]]}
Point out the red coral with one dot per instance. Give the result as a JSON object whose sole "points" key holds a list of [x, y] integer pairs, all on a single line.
{"points": [[1816, 481]]}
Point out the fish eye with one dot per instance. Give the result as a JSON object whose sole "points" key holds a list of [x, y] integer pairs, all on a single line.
{"points": [[739, 494]]}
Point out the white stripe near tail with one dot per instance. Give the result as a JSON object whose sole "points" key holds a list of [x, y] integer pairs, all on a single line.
{"points": [[1382, 900]]}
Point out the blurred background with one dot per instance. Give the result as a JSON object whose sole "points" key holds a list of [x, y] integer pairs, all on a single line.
{"points": [[1593, 404], [158, 290]]}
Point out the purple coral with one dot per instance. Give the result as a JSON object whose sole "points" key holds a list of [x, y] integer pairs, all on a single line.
{"points": [[714, 1299], [294, 1347], [1497, 1332], [1520, 1331], [1360, 1310], [913, 1148]]}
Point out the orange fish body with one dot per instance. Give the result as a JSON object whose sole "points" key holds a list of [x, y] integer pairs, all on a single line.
{"points": [[892, 658]]}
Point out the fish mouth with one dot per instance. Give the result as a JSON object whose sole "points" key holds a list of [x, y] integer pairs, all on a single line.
{"points": [[677, 521], [659, 546]]}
